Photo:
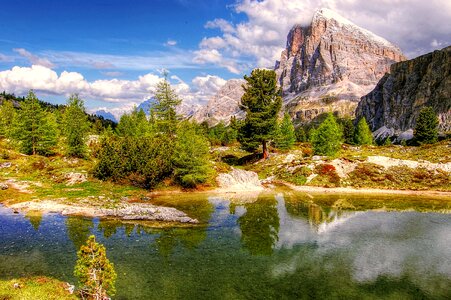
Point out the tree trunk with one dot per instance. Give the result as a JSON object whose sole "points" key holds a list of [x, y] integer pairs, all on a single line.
{"points": [[265, 150]]}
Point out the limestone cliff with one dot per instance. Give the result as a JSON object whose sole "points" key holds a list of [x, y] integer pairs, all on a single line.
{"points": [[393, 106], [223, 105], [330, 64]]}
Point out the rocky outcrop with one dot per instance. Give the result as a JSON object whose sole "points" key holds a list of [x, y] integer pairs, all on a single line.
{"points": [[330, 64], [239, 181], [223, 105], [123, 211], [393, 106]]}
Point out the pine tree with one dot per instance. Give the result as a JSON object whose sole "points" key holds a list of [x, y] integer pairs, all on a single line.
{"points": [[7, 114], [285, 136], [165, 108], [363, 134], [301, 135], [426, 128], [76, 127], [95, 273], [327, 139], [35, 129], [261, 102], [191, 156], [348, 130]]}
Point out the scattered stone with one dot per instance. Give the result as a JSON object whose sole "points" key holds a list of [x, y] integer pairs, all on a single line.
{"points": [[3, 186], [5, 165], [145, 198], [125, 199], [289, 158], [74, 178], [70, 288], [17, 285]]}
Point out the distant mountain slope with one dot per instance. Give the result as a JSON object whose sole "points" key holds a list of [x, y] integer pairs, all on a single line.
{"points": [[393, 106], [106, 115]]}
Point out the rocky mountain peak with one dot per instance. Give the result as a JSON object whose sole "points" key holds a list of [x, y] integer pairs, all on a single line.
{"points": [[331, 59]]}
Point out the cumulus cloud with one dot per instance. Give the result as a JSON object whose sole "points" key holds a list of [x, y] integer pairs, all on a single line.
{"points": [[121, 95], [416, 26], [34, 59]]}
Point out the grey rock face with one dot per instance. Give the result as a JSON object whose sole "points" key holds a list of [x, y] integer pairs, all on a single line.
{"points": [[395, 103], [223, 105], [331, 63]]}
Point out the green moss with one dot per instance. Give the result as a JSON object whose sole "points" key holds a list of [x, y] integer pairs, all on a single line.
{"points": [[36, 288]]}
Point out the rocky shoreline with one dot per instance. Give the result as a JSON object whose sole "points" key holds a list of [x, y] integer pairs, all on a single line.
{"points": [[123, 211]]}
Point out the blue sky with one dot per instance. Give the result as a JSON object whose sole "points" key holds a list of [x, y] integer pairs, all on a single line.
{"points": [[111, 52]]}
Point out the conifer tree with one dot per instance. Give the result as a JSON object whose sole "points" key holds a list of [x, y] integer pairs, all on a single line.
{"points": [[426, 128], [348, 130], [95, 272], [363, 134], [7, 114], [327, 139], [35, 129], [285, 137], [191, 155], [262, 102], [301, 135], [76, 127], [165, 108]]}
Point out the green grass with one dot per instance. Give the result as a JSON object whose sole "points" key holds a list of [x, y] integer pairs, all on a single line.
{"points": [[35, 288]]}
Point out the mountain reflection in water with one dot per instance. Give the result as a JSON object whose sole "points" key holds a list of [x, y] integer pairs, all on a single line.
{"points": [[270, 246]]}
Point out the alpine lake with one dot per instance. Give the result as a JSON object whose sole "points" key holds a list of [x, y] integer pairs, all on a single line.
{"points": [[271, 246]]}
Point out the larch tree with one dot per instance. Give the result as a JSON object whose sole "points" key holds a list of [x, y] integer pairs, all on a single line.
{"points": [[165, 109], [76, 127], [262, 102], [327, 138], [285, 136], [363, 134], [34, 129], [7, 114]]}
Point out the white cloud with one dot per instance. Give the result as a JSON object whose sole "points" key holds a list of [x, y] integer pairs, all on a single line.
{"points": [[171, 43], [4, 58], [35, 60], [121, 95], [259, 40], [112, 73]]}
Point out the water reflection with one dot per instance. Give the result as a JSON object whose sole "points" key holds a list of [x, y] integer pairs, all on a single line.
{"points": [[284, 246], [260, 226]]}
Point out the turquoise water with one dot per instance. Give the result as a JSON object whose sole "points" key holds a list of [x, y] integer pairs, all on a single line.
{"points": [[273, 247]]}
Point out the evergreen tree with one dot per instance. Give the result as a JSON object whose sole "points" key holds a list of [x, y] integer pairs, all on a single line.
{"points": [[426, 128], [76, 127], [301, 135], [262, 102], [165, 108], [327, 139], [285, 137], [348, 130], [35, 129], [363, 134], [95, 272], [7, 114], [191, 156]]}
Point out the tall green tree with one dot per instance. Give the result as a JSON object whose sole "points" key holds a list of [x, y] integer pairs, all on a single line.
{"points": [[285, 136], [348, 130], [327, 138], [133, 124], [363, 134], [426, 128], [35, 130], [165, 108], [95, 272], [7, 114], [191, 156], [76, 127], [262, 102]]}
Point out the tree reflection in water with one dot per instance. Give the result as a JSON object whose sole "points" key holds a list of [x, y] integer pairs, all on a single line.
{"points": [[78, 230], [260, 226]]}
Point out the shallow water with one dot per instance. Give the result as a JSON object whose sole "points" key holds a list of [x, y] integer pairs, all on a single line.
{"points": [[283, 246]]}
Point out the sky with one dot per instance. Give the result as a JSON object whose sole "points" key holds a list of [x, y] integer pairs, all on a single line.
{"points": [[112, 52]]}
